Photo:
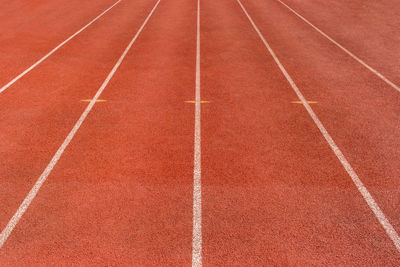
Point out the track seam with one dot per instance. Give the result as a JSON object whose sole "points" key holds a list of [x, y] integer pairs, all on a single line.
{"points": [[197, 235], [391, 232], [386, 80], [35, 189], [2, 89]]}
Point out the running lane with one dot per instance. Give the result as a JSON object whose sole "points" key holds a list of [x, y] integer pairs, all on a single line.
{"points": [[122, 192], [273, 191], [359, 110], [369, 29], [38, 111], [31, 29]]}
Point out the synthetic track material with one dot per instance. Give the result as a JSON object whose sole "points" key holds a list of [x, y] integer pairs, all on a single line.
{"points": [[35, 189], [272, 191], [22, 74], [358, 110], [271, 185], [346, 165], [140, 210], [386, 80]]}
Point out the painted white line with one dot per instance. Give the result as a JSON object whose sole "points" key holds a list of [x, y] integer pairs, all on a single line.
{"points": [[386, 80], [2, 89], [391, 232], [196, 235], [35, 189]]}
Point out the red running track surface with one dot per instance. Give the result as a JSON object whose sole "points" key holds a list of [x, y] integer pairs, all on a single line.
{"points": [[31, 29], [273, 192]]}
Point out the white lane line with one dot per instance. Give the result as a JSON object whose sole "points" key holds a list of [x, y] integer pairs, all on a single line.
{"points": [[386, 80], [35, 189], [196, 235], [2, 89], [391, 232]]}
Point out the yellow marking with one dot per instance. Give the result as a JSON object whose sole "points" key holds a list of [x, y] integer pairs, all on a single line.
{"points": [[98, 100], [201, 102], [299, 102]]}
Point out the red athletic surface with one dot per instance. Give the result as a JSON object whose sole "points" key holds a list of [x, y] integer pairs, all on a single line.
{"points": [[273, 192]]}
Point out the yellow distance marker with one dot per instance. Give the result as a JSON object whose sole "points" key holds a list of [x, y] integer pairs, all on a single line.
{"points": [[201, 102], [98, 100], [299, 102]]}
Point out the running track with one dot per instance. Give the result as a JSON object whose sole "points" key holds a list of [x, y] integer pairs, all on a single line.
{"points": [[172, 132]]}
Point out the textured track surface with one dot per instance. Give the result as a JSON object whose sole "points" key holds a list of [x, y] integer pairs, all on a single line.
{"points": [[273, 192]]}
